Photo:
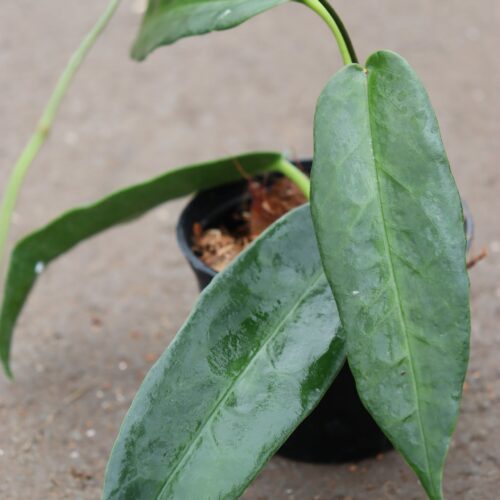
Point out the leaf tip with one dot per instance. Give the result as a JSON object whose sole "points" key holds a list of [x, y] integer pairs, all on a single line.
{"points": [[136, 53], [6, 369], [432, 482], [5, 359]]}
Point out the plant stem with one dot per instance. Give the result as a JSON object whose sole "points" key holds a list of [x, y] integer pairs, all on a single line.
{"points": [[342, 29], [295, 175], [331, 18], [42, 131]]}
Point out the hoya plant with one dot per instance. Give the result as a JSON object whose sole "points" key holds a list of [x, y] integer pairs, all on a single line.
{"points": [[372, 271]]}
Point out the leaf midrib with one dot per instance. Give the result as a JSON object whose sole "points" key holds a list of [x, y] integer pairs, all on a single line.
{"points": [[388, 253], [187, 452]]}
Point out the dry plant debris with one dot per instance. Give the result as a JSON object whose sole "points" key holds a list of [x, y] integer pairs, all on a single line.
{"points": [[218, 246]]}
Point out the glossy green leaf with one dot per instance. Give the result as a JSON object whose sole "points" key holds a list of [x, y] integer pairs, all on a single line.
{"points": [[256, 355], [32, 254], [389, 223], [166, 21]]}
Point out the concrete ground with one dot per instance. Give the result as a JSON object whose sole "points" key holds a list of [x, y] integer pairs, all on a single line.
{"points": [[101, 315]]}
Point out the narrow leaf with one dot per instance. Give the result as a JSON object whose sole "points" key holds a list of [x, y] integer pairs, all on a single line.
{"points": [[166, 21], [32, 254], [256, 355], [389, 223]]}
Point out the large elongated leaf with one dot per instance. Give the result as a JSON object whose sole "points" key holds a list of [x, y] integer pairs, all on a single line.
{"points": [[166, 21], [389, 223], [256, 355], [37, 250]]}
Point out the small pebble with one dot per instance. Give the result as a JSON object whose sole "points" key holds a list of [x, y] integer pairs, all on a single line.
{"points": [[122, 365], [119, 396], [96, 321], [151, 357], [74, 454], [2, 453], [39, 267], [490, 391], [99, 394], [90, 433], [71, 138], [484, 405]]}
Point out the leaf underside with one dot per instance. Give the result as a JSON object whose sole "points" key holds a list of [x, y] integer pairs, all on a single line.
{"points": [[389, 224], [38, 249], [256, 355], [165, 21]]}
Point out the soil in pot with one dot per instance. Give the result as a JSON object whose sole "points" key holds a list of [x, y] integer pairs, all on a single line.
{"points": [[267, 202]]}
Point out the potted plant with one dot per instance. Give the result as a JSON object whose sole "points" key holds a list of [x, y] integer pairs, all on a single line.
{"points": [[213, 228], [373, 270]]}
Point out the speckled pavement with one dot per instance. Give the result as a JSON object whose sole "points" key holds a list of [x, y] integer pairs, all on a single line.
{"points": [[102, 314]]}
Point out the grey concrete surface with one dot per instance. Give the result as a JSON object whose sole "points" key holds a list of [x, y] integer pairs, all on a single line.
{"points": [[101, 315]]}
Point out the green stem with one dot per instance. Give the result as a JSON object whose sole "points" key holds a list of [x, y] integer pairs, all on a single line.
{"points": [[342, 29], [42, 131], [296, 175], [343, 42]]}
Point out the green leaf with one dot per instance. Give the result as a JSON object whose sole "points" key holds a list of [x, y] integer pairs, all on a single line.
{"points": [[256, 355], [389, 223], [36, 251], [166, 21]]}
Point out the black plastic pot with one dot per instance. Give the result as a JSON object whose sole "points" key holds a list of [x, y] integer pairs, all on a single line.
{"points": [[339, 429]]}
